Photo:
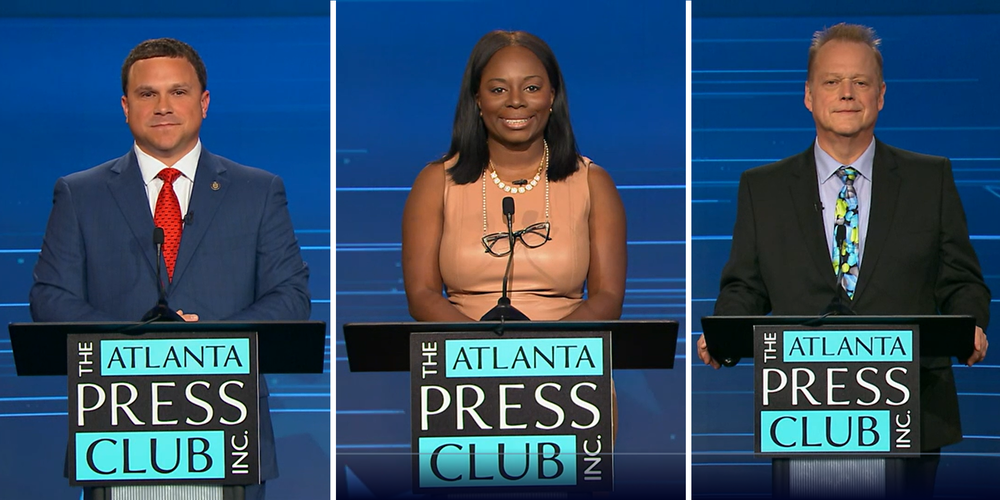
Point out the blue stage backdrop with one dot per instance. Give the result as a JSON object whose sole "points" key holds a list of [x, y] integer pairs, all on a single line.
{"points": [[268, 74], [748, 78], [399, 66]]}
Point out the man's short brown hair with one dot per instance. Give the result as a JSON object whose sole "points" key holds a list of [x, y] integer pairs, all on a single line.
{"points": [[164, 47]]}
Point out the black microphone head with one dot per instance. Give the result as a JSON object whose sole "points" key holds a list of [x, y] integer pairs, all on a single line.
{"points": [[157, 235], [840, 234], [508, 205]]}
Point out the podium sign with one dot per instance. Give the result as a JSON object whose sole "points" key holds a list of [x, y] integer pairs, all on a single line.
{"points": [[162, 408], [526, 411], [836, 391]]}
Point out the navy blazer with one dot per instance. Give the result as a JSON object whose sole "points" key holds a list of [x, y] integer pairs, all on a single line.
{"points": [[918, 258], [238, 257]]}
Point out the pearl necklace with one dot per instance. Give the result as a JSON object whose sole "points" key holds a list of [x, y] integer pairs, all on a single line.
{"points": [[544, 166], [506, 187]]}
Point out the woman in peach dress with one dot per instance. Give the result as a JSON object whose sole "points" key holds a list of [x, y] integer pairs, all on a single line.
{"points": [[512, 137]]}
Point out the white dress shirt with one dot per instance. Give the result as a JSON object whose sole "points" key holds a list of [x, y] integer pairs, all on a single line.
{"points": [[184, 184]]}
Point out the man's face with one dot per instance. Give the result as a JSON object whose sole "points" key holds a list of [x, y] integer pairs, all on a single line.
{"points": [[845, 91], [164, 107]]}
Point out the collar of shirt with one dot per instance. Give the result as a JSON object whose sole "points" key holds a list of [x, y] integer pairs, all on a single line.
{"points": [[826, 166], [149, 166], [184, 184]]}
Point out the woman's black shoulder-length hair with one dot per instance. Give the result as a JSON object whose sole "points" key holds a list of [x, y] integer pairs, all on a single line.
{"points": [[468, 135]]}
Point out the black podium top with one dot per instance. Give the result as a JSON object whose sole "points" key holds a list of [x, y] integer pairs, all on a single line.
{"points": [[731, 337], [283, 346], [634, 344]]}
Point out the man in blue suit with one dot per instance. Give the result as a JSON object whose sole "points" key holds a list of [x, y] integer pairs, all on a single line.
{"points": [[237, 257]]}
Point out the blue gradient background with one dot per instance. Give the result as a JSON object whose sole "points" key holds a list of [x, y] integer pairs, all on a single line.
{"points": [[399, 66], [269, 77], [748, 63]]}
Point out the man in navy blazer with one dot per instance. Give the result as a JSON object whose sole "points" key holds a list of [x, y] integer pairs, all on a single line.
{"points": [[238, 258]]}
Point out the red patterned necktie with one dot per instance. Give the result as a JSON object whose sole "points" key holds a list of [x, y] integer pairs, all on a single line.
{"points": [[168, 217]]}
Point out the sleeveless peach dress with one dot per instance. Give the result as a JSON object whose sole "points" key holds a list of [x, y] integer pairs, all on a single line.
{"points": [[546, 282]]}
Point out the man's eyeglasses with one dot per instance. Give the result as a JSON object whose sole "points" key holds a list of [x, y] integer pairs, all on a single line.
{"points": [[533, 236]]}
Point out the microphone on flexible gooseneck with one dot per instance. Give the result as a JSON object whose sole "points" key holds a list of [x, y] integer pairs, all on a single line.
{"points": [[503, 311], [508, 214], [838, 306], [161, 311]]}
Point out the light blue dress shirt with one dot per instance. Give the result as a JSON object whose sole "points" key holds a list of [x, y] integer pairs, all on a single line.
{"points": [[830, 186]]}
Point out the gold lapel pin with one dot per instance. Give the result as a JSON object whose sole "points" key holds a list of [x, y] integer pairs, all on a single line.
{"points": [[215, 185]]}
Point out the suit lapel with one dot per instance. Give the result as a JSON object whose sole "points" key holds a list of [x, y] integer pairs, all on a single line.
{"points": [[885, 192], [804, 191], [210, 185], [129, 193]]}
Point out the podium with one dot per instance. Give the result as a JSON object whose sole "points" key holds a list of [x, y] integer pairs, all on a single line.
{"points": [[531, 394], [166, 383], [384, 347], [856, 377]]}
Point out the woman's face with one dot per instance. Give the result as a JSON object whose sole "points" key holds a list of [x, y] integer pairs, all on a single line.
{"points": [[515, 97]]}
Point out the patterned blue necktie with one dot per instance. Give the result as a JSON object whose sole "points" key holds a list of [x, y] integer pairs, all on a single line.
{"points": [[846, 237]]}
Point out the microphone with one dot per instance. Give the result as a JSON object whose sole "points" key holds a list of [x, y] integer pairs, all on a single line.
{"points": [[838, 306], [839, 237], [818, 206], [188, 219], [503, 311], [160, 312]]}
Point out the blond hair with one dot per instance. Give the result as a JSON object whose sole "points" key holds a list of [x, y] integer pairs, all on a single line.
{"points": [[846, 33]]}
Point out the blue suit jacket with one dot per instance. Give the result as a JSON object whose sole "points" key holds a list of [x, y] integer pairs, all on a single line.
{"points": [[238, 257]]}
